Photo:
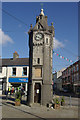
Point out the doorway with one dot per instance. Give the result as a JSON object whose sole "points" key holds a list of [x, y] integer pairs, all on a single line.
{"points": [[37, 93]]}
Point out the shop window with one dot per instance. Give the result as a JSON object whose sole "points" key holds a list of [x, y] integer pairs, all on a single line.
{"points": [[14, 71], [0, 86], [24, 70], [0, 69]]}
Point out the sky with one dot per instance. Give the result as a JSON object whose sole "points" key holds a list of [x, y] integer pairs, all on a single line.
{"points": [[64, 16]]}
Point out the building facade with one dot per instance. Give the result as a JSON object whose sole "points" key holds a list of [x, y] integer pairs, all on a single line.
{"points": [[40, 61], [57, 80], [71, 77], [2, 78], [15, 72]]}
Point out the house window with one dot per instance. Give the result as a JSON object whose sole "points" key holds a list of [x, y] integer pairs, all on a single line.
{"points": [[0, 69], [74, 68], [77, 67], [38, 60], [69, 71], [72, 78], [24, 70], [77, 76], [14, 71]]}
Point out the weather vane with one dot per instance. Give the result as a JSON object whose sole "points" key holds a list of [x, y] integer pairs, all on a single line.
{"points": [[41, 5]]}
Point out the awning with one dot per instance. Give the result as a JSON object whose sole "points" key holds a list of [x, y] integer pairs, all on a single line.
{"points": [[18, 80], [76, 84], [66, 83]]}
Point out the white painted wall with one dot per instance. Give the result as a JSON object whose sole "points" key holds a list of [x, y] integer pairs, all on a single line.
{"points": [[7, 72], [57, 79], [59, 73], [19, 73], [3, 74]]}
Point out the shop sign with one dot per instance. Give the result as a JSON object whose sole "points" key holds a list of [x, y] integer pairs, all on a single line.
{"points": [[20, 80]]}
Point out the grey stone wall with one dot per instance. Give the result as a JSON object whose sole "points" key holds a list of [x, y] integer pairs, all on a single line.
{"points": [[43, 50]]}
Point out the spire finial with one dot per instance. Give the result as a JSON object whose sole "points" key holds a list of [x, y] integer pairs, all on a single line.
{"points": [[42, 12]]}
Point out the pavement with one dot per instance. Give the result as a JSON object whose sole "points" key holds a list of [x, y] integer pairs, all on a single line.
{"points": [[9, 110]]}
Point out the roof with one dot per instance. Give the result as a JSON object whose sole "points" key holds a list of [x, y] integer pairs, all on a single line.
{"points": [[77, 62], [41, 20], [16, 61]]}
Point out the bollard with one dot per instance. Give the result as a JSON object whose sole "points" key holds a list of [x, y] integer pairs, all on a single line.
{"points": [[70, 100]]}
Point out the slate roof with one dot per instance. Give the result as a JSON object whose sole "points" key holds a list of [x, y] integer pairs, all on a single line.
{"points": [[14, 62], [44, 25], [42, 22]]}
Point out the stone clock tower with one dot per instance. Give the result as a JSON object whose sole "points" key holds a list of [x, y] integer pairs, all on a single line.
{"points": [[40, 61]]}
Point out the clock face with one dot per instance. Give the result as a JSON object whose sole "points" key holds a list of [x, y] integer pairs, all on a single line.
{"points": [[38, 36]]}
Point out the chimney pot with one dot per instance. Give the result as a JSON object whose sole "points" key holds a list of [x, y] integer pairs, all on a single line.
{"points": [[15, 55]]}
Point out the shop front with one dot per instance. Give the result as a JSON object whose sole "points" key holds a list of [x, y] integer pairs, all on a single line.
{"points": [[2, 85], [18, 82], [77, 88]]}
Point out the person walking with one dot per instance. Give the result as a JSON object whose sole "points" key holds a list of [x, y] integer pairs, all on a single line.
{"points": [[7, 95], [9, 91], [18, 89]]}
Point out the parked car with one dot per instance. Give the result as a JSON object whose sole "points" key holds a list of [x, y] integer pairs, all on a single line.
{"points": [[65, 90], [78, 90], [62, 90]]}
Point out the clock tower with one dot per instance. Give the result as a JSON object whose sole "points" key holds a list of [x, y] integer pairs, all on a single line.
{"points": [[40, 61]]}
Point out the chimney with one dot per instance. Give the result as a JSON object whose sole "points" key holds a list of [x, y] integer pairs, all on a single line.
{"points": [[15, 55]]}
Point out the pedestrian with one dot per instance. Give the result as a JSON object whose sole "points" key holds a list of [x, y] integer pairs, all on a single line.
{"points": [[6, 94], [18, 89], [14, 90], [9, 90]]}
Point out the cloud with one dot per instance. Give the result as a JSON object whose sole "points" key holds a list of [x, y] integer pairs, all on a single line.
{"points": [[57, 44], [65, 40], [4, 38]]}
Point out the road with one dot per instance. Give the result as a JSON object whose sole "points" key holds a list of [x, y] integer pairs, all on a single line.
{"points": [[40, 112], [71, 101]]}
